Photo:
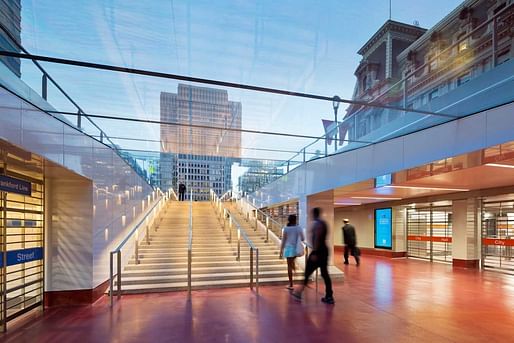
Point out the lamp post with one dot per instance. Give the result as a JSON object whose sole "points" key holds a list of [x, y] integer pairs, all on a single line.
{"points": [[335, 105]]}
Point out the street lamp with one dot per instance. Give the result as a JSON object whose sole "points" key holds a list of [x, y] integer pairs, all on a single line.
{"points": [[335, 105]]}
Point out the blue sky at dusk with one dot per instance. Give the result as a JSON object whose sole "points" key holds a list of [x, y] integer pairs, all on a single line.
{"points": [[306, 46]]}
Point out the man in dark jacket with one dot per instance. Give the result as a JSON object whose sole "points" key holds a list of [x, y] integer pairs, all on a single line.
{"points": [[181, 191], [318, 258], [350, 242]]}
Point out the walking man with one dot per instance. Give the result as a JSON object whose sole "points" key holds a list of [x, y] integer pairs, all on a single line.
{"points": [[318, 258], [350, 242]]}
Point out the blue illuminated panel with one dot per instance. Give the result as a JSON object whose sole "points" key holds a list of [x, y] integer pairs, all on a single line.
{"points": [[383, 180], [383, 228]]}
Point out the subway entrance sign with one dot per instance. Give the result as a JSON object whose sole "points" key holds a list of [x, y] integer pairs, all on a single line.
{"points": [[12, 185], [22, 256]]}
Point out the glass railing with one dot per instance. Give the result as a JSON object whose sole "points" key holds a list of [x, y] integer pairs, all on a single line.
{"points": [[461, 77], [36, 86], [469, 76]]}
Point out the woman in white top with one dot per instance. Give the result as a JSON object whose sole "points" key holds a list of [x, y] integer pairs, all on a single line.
{"points": [[291, 234]]}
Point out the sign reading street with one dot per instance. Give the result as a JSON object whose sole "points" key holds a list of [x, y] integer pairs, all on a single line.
{"points": [[12, 185], [22, 256]]}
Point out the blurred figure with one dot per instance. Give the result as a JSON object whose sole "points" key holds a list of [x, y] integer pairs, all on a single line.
{"points": [[292, 238], [318, 258], [181, 191], [350, 242]]}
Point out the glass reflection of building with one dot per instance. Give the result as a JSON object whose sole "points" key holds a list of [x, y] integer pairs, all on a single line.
{"points": [[441, 62], [191, 152], [10, 33], [259, 174]]}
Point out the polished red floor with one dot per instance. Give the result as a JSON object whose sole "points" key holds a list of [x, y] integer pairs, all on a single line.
{"points": [[382, 301]]}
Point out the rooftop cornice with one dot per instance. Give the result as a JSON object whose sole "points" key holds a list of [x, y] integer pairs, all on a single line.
{"points": [[390, 25]]}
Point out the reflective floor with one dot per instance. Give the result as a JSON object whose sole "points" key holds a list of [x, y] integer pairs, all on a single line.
{"points": [[381, 301]]}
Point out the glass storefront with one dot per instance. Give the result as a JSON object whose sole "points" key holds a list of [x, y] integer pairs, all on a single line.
{"points": [[21, 232], [498, 236], [430, 233]]}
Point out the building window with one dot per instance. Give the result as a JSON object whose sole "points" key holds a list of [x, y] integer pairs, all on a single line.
{"points": [[502, 57], [433, 94], [464, 78], [464, 44]]}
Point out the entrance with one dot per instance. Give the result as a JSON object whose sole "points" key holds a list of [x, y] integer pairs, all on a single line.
{"points": [[21, 233], [429, 233], [498, 236]]}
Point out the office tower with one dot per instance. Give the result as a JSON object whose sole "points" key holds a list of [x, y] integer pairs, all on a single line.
{"points": [[200, 139], [10, 33]]}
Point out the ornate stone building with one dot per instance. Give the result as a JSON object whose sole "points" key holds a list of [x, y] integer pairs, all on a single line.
{"points": [[446, 69]]}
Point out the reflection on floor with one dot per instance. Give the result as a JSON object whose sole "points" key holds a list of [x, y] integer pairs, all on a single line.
{"points": [[382, 301]]}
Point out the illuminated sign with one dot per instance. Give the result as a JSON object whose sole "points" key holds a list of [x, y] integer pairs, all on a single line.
{"points": [[383, 228], [383, 180], [12, 185], [22, 256]]}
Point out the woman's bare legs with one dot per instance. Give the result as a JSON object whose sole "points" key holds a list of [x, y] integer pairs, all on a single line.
{"points": [[290, 269]]}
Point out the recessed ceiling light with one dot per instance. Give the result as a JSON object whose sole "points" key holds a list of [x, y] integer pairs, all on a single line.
{"points": [[499, 165], [428, 188], [376, 198]]}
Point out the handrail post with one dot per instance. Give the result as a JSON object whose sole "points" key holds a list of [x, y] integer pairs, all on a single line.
{"points": [[44, 87], [119, 273], [111, 277], [267, 229], [189, 262], [136, 247], [238, 244], [147, 235], [256, 221], [230, 229], [257, 270], [251, 268], [79, 120]]}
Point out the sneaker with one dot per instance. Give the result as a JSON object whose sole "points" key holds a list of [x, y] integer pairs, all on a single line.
{"points": [[346, 263], [328, 300], [297, 296], [290, 288]]}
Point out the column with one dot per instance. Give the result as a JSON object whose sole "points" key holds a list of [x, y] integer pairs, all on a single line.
{"points": [[389, 56], [465, 233]]}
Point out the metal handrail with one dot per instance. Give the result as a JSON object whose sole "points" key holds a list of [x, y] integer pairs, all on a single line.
{"points": [[190, 246], [228, 216], [80, 112], [269, 220], [117, 251]]}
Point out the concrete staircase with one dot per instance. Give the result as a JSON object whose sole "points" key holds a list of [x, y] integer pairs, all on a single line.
{"points": [[163, 261]]}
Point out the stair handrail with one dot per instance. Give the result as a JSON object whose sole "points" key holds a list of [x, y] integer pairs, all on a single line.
{"points": [[269, 221], [157, 206], [190, 245], [172, 192], [228, 216]]}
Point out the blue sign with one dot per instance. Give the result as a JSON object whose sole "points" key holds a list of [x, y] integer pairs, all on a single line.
{"points": [[383, 180], [22, 256], [12, 185], [383, 228]]}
